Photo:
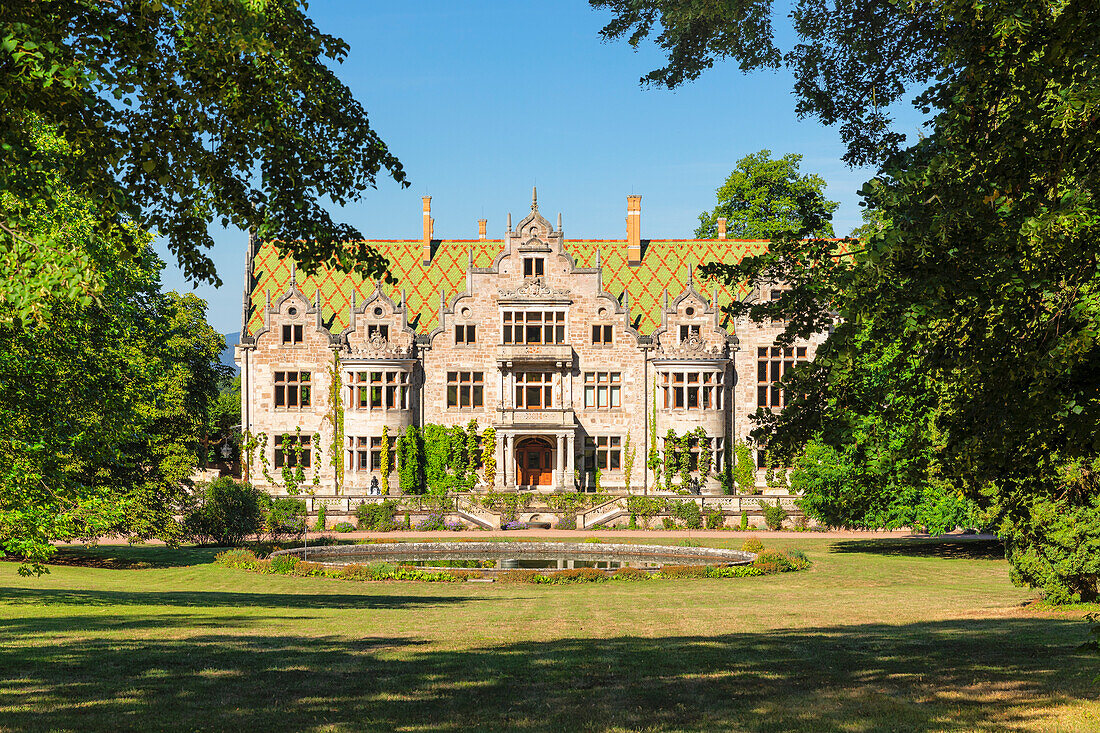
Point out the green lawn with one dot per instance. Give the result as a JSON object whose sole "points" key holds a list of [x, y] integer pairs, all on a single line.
{"points": [[887, 635]]}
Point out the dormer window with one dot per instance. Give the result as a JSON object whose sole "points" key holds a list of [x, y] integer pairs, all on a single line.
{"points": [[688, 332], [378, 331], [292, 335], [533, 266], [465, 334], [601, 335]]}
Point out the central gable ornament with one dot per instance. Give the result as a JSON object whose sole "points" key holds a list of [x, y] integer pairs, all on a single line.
{"points": [[533, 288]]}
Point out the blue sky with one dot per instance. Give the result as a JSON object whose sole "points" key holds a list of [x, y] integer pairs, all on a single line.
{"points": [[481, 100]]}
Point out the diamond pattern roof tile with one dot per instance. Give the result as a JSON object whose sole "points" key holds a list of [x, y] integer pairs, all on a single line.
{"points": [[664, 265]]}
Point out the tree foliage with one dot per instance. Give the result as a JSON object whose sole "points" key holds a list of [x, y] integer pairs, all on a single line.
{"points": [[105, 404], [764, 197], [185, 113], [981, 289]]}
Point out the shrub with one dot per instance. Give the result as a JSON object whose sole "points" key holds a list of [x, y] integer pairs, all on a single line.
{"points": [[577, 575], [689, 513], [773, 561], [774, 515], [239, 558], [684, 571], [594, 541], [744, 470], [376, 517], [285, 516], [431, 523], [744, 521], [668, 522], [513, 525], [343, 527], [798, 557], [752, 545], [225, 512], [283, 564], [522, 576], [569, 522], [627, 573], [715, 519], [320, 526], [688, 543]]}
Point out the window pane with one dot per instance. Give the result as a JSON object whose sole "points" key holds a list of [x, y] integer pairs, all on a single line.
{"points": [[452, 395]]}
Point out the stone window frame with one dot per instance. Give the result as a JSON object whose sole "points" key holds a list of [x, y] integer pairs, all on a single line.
{"points": [[368, 449], [772, 364], [287, 456], [687, 330], [603, 334], [301, 386], [468, 384], [391, 391], [611, 386], [604, 452], [465, 334], [512, 318], [293, 334], [524, 387], [689, 389], [534, 266]]}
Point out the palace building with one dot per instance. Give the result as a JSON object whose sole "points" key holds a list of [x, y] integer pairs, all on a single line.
{"points": [[565, 347]]}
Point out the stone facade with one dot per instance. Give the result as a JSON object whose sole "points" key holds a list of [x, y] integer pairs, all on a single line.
{"points": [[533, 345]]}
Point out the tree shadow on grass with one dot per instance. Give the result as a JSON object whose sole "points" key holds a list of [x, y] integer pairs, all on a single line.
{"points": [[132, 557], [947, 549], [940, 676], [223, 599]]}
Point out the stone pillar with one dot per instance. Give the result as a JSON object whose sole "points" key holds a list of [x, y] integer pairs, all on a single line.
{"points": [[570, 458], [561, 463], [500, 479]]}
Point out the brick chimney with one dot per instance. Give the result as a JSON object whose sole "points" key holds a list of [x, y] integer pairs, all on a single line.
{"points": [[634, 230], [429, 222], [721, 227], [481, 226]]}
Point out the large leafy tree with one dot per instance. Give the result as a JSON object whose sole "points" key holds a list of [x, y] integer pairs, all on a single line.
{"points": [[185, 112], [103, 404], [985, 270], [763, 197]]}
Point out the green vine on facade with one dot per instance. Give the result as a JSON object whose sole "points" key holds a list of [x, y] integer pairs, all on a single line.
{"points": [[628, 461], [744, 470], [706, 453], [671, 464], [489, 455], [335, 418], [385, 460], [474, 453], [654, 461], [683, 457]]}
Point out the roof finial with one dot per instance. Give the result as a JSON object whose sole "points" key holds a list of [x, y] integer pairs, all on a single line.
{"points": [[293, 273], [691, 279], [534, 198], [559, 222]]}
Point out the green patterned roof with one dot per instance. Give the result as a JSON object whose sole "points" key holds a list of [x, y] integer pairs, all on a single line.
{"points": [[665, 265]]}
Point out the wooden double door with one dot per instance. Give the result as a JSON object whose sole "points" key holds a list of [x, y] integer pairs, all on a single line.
{"points": [[535, 462]]}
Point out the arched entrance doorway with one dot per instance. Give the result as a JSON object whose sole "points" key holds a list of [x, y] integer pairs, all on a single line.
{"points": [[535, 462]]}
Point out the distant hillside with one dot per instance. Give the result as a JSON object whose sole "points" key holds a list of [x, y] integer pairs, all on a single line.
{"points": [[231, 340]]}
